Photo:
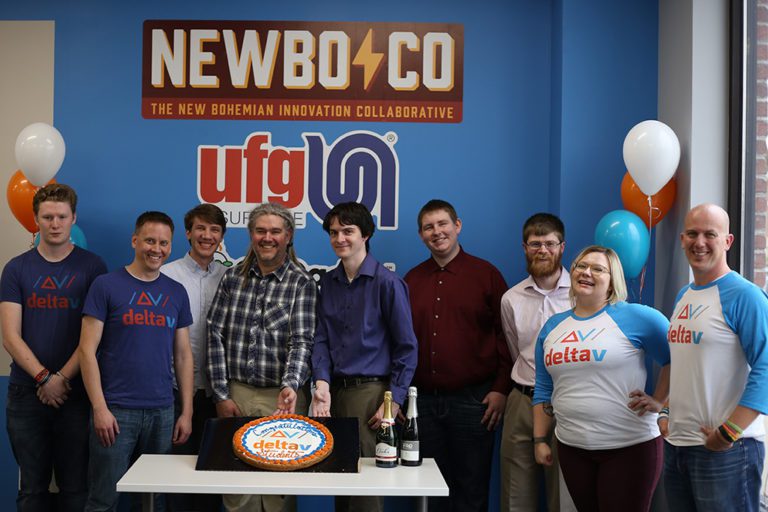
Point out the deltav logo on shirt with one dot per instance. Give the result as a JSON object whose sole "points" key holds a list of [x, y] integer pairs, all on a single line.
{"points": [[571, 354], [53, 300], [678, 333], [146, 316], [683, 335]]}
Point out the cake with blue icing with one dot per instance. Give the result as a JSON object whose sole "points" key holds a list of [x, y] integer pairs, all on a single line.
{"points": [[282, 443]]}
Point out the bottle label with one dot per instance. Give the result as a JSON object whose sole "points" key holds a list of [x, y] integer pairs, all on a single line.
{"points": [[386, 452], [410, 451]]}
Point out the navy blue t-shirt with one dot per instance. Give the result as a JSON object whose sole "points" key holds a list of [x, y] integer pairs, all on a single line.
{"points": [[51, 295], [136, 350]]}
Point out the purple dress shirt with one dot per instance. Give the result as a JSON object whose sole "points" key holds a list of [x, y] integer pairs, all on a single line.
{"points": [[364, 327]]}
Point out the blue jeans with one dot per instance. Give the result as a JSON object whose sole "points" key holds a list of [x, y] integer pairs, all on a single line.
{"points": [[698, 479], [45, 440], [451, 432], [141, 431]]}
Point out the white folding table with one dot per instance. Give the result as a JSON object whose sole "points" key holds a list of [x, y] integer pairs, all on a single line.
{"points": [[176, 474]]}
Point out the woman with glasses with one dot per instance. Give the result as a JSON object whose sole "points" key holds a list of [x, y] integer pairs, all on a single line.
{"points": [[590, 376]]}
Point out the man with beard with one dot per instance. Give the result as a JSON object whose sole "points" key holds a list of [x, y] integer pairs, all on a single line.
{"points": [[524, 309], [261, 328]]}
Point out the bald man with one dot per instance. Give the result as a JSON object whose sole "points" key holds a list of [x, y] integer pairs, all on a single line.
{"points": [[719, 379]]}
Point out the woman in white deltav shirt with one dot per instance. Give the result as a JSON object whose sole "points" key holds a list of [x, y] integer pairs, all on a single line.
{"points": [[590, 374]]}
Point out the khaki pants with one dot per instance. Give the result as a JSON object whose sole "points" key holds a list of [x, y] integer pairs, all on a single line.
{"points": [[359, 402], [260, 402], [520, 474]]}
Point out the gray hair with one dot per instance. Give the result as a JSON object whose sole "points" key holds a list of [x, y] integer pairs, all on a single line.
{"points": [[289, 224]]}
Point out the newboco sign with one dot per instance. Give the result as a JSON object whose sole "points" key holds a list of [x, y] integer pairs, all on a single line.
{"points": [[291, 70], [359, 166]]}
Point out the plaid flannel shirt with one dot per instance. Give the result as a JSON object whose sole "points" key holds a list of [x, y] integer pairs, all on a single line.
{"points": [[261, 328]]}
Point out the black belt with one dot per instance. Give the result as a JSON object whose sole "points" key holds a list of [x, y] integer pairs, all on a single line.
{"points": [[348, 382], [526, 390]]}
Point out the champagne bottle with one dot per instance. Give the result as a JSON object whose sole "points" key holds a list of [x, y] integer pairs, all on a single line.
{"points": [[409, 448], [386, 440]]}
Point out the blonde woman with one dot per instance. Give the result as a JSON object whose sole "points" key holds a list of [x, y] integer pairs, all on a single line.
{"points": [[590, 375]]}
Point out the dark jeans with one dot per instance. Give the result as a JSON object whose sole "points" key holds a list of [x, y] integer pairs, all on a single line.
{"points": [[45, 441], [203, 409], [451, 432], [620, 479], [698, 479]]}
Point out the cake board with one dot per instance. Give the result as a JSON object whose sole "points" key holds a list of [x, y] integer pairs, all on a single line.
{"points": [[216, 452]]}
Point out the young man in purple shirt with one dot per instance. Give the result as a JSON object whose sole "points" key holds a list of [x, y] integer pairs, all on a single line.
{"points": [[364, 343], [42, 292]]}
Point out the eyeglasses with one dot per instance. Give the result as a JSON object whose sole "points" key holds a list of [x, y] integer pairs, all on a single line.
{"points": [[597, 270], [549, 244]]}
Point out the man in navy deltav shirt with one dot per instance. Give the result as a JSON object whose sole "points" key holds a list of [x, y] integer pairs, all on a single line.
{"points": [[42, 292], [135, 325], [364, 343]]}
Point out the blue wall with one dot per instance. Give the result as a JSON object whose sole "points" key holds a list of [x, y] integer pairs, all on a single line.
{"points": [[550, 90]]}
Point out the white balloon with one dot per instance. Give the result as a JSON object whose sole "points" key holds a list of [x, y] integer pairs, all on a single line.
{"points": [[40, 151], [651, 154]]}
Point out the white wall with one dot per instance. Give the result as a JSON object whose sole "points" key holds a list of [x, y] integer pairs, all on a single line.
{"points": [[693, 101], [26, 96]]}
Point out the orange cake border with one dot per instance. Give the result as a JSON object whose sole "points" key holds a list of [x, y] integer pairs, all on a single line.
{"points": [[283, 465]]}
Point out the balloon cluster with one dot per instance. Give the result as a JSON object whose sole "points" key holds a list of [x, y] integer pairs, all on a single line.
{"points": [[651, 154], [40, 151]]}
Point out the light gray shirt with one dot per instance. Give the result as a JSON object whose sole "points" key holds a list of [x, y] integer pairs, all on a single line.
{"points": [[524, 309], [201, 286]]}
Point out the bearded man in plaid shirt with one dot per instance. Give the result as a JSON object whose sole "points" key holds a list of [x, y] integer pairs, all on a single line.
{"points": [[261, 326]]}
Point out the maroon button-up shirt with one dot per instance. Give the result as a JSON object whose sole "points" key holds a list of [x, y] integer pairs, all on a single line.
{"points": [[457, 320]]}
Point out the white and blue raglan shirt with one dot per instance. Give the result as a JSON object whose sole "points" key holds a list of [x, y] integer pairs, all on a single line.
{"points": [[587, 366], [718, 338]]}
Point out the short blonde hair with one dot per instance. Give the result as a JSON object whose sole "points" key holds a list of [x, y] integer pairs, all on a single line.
{"points": [[618, 287]]}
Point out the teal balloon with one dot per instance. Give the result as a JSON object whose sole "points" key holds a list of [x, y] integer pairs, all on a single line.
{"points": [[76, 236], [627, 234]]}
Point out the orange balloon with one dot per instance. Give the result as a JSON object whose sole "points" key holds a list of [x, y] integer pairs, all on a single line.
{"points": [[636, 201], [19, 194]]}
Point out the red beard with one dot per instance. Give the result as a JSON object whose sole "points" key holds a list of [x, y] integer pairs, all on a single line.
{"points": [[543, 268]]}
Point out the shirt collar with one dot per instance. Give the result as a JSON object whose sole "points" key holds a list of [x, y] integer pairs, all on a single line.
{"points": [[453, 265], [563, 282], [279, 272], [192, 265], [367, 268]]}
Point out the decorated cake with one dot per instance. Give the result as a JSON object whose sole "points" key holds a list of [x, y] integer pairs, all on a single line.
{"points": [[282, 443]]}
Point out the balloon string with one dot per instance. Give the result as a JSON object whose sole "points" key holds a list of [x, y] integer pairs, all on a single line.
{"points": [[650, 212], [651, 208]]}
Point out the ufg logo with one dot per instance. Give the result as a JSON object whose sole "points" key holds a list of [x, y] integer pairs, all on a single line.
{"points": [[358, 166]]}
